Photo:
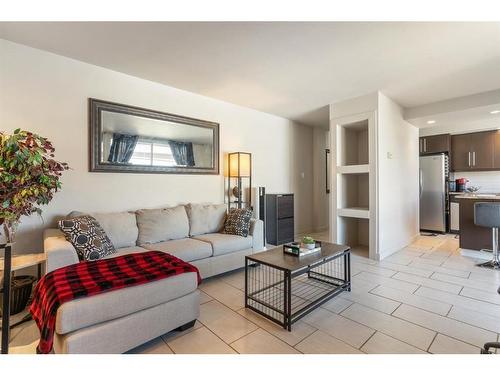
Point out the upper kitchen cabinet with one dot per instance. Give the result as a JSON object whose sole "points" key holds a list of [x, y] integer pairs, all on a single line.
{"points": [[473, 151], [496, 146], [434, 144]]}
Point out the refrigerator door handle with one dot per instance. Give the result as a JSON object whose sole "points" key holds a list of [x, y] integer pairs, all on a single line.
{"points": [[421, 182], [474, 158], [469, 157]]}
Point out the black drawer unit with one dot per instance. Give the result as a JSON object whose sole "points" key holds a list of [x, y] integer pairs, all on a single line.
{"points": [[279, 218]]}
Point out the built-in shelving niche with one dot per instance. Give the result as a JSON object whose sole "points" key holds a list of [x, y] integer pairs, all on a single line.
{"points": [[354, 192], [354, 232], [353, 169], [353, 145]]}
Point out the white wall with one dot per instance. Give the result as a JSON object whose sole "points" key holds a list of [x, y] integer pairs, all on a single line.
{"points": [[321, 200], [47, 94], [398, 202]]}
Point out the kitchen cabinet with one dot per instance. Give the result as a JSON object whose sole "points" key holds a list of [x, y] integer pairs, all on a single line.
{"points": [[434, 144], [496, 147], [473, 151]]}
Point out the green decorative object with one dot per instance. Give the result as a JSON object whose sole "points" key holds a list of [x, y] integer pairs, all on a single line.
{"points": [[308, 240], [29, 177]]}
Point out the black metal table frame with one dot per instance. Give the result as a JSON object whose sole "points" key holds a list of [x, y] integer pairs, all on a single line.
{"points": [[7, 268], [288, 317]]}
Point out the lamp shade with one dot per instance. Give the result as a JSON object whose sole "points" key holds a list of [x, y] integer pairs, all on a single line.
{"points": [[240, 164]]}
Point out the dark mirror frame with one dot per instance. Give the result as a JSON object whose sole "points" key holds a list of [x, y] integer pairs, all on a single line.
{"points": [[96, 106]]}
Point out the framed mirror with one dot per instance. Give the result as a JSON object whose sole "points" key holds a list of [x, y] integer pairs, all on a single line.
{"points": [[137, 140]]}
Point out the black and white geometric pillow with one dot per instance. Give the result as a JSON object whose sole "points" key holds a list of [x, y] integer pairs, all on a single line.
{"points": [[238, 221], [87, 237]]}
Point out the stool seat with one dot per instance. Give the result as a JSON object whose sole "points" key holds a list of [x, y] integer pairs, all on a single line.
{"points": [[487, 214]]}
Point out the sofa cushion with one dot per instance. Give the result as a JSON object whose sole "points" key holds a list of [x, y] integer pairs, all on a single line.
{"points": [[163, 224], [128, 250], [226, 243], [187, 249], [205, 218], [121, 227], [87, 237], [85, 312]]}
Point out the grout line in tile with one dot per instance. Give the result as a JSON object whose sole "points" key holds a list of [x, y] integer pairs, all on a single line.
{"points": [[315, 330], [432, 342], [368, 339], [448, 313]]}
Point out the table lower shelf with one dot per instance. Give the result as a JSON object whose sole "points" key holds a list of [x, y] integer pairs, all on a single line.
{"points": [[284, 297]]}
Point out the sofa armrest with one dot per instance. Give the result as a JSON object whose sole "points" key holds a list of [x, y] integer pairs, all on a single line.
{"points": [[257, 233], [58, 251]]}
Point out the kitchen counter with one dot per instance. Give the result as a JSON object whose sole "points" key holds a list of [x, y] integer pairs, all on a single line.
{"points": [[473, 237], [487, 197]]}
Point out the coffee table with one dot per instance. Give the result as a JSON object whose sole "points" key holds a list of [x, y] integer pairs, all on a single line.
{"points": [[284, 288]]}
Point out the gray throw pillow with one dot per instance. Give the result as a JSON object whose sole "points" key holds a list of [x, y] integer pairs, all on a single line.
{"points": [[87, 237], [238, 221]]}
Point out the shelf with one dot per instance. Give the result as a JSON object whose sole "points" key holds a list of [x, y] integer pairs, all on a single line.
{"points": [[354, 232], [353, 190], [353, 169], [353, 144], [356, 212]]}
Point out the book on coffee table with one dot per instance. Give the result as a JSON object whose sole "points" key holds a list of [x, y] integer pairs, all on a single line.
{"points": [[296, 249]]}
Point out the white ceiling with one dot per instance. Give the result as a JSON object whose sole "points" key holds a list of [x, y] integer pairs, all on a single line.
{"points": [[289, 69], [462, 121]]}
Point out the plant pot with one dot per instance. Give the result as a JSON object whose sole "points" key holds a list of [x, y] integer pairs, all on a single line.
{"points": [[310, 246]]}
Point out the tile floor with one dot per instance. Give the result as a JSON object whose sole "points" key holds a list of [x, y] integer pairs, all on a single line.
{"points": [[426, 298]]}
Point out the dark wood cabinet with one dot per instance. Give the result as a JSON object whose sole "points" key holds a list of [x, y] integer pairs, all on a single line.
{"points": [[473, 237], [434, 144], [279, 218], [473, 151], [460, 152], [496, 150]]}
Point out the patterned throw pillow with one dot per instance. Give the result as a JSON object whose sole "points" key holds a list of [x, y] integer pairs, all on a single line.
{"points": [[87, 237], [238, 221]]}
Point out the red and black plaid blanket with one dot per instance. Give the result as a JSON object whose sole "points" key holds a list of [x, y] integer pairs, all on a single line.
{"points": [[90, 278]]}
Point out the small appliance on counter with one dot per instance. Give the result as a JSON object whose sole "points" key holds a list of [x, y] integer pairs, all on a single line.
{"points": [[461, 184], [452, 186]]}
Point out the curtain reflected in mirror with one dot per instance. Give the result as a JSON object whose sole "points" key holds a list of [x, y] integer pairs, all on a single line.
{"points": [[128, 139]]}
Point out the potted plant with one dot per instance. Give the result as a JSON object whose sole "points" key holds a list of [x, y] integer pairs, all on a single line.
{"points": [[29, 177], [309, 242]]}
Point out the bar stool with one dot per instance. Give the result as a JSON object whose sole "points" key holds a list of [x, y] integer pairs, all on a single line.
{"points": [[487, 214]]}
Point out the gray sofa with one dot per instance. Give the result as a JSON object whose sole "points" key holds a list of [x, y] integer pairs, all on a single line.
{"points": [[117, 321]]}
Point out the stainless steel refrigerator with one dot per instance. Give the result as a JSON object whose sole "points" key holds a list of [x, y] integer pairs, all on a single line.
{"points": [[433, 176]]}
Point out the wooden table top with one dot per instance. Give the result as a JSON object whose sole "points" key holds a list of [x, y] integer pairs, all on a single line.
{"points": [[276, 258], [23, 261]]}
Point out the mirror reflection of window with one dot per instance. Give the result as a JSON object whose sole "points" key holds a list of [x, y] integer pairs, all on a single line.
{"points": [[142, 154], [162, 155]]}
